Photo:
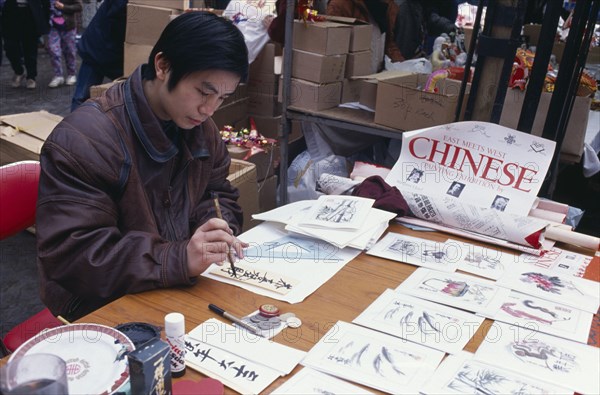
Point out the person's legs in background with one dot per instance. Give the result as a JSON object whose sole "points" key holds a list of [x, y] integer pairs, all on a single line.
{"points": [[55, 52], [69, 51], [14, 53], [86, 78]]}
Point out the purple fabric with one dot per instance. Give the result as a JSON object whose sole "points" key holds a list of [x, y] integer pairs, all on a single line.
{"points": [[386, 197], [62, 42]]}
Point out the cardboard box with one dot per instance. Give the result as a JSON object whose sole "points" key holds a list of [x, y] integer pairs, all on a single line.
{"points": [[358, 64], [368, 93], [242, 175], [135, 55], [402, 104], [145, 24], [572, 147], [312, 96], [150, 368], [263, 83], [360, 38], [265, 161], [174, 4], [325, 38], [240, 93], [268, 60], [267, 194], [231, 113], [263, 104], [318, 68], [351, 91], [98, 90], [532, 35], [22, 135], [269, 127]]}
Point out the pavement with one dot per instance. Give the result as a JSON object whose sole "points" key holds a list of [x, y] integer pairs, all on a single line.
{"points": [[19, 292]]}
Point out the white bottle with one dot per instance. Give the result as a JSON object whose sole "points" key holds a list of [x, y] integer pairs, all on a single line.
{"points": [[175, 332]]}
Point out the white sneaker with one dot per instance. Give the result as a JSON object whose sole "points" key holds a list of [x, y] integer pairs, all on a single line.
{"points": [[71, 80], [30, 84], [56, 81], [17, 79]]}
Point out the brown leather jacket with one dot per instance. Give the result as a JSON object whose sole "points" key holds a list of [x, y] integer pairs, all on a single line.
{"points": [[119, 200]]}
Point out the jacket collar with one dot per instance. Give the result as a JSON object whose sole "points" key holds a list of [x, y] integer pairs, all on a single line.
{"points": [[149, 130]]}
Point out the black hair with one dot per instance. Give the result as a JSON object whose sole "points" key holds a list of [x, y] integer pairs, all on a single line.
{"points": [[196, 41]]}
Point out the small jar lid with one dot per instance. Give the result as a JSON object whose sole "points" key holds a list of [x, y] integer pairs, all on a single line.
{"points": [[268, 310], [139, 332], [174, 324]]}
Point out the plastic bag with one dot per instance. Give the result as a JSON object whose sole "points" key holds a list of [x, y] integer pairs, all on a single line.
{"points": [[419, 65], [249, 17], [304, 173]]}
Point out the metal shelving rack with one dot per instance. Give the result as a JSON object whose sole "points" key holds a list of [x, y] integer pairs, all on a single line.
{"points": [[496, 47], [362, 123]]}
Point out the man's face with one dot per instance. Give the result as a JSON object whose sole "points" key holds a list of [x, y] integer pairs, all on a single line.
{"points": [[501, 204], [196, 96]]}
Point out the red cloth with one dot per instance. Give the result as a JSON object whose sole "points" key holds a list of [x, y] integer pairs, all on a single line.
{"points": [[386, 197]]}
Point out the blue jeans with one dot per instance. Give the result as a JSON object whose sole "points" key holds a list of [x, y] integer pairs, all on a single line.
{"points": [[87, 77]]}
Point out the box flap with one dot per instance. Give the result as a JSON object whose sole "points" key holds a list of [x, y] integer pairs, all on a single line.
{"points": [[345, 20], [384, 75], [38, 124]]}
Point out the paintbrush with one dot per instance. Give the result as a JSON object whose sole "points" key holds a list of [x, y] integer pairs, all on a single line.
{"points": [[220, 216]]}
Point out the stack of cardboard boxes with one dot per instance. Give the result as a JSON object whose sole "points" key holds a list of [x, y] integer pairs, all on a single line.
{"points": [[320, 52], [146, 20]]}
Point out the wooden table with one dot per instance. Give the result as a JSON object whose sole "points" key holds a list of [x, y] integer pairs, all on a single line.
{"points": [[343, 297]]}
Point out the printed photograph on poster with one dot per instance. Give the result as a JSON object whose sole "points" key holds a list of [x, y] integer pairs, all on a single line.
{"points": [[455, 289], [338, 211], [310, 381], [416, 251], [482, 261], [430, 324], [554, 286], [461, 374], [541, 315], [558, 361], [558, 260], [373, 359]]}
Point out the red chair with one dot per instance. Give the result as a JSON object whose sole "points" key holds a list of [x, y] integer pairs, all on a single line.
{"points": [[18, 199]]}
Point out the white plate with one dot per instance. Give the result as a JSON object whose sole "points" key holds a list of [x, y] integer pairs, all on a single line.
{"points": [[93, 353]]}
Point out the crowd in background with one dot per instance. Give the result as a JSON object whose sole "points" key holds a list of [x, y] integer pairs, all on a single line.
{"points": [[95, 30]]}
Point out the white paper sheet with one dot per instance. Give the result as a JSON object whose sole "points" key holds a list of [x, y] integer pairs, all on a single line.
{"points": [[461, 374], [284, 214], [247, 345], [293, 214], [545, 357], [373, 359], [474, 163], [338, 212], [430, 324], [237, 373], [312, 262], [309, 381], [559, 260], [537, 314], [342, 237], [554, 286], [482, 261], [416, 251], [454, 289]]}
